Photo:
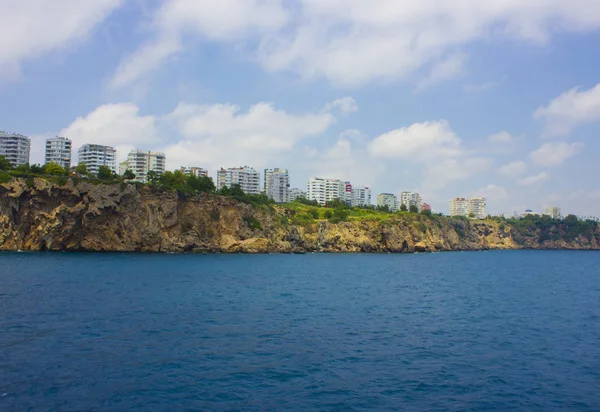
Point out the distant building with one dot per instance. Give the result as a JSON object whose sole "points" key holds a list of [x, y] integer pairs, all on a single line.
{"points": [[554, 212], [295, 193], [388, 199], [123, 167], [468, 207], [58, 150], [277, 185], [348, 194], [326, 190], [140, 162], [247, 177], [361, 196], [194, 171], [409, 199], [95, 155], [15, 148]]}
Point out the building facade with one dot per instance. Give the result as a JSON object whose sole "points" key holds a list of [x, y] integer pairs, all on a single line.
{"points": [[140, 162], [554, 212], [247, 177], [296, 193], [361, 196], [388, 200], [468, 207], [409, 199], [95, 155], [194, 171], [58, 150], [277, 185], [326, 190], [15, 148]]}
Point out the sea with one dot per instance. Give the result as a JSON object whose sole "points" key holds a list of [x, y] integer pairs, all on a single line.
{"points": [[457, 331]]}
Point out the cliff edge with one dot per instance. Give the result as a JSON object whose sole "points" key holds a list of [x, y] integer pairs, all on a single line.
{"points": [[36, 214]]}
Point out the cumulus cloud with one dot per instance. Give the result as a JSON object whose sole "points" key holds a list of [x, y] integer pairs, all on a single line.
{"points": [[554, 154], [223, 135], [531, 180], [229, 21], [345, 105], [570, 109], [444, 70], [32, 28], [334, 39], [513, 169], [118, 125], [418, 141]]}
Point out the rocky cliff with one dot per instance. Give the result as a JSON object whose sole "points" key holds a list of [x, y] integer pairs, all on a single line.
{"points": [[38, 215]]}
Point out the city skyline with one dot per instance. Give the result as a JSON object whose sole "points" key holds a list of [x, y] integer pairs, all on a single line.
{"points": [[502, 103]]}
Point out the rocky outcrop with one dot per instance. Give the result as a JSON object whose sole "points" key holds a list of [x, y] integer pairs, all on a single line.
{"points": [[38, 215]]}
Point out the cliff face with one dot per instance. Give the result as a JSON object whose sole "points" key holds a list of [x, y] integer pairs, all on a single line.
{"points": [[39, 215]]}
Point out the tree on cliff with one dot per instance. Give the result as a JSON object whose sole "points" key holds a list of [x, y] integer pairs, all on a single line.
{"points": [[403, 208], [201, 184], [54, 169], [413, 209], [5, 164], [81, 169], [104, 173], [128, 175]]}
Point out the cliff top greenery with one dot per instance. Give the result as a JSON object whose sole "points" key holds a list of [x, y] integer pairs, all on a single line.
{"points": [[300, 211]]}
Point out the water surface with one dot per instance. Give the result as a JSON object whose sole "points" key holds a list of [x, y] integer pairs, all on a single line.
{"points": [[516, 330]]}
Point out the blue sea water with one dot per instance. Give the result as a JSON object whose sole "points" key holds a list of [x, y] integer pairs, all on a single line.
{"points": [[479, 331]]}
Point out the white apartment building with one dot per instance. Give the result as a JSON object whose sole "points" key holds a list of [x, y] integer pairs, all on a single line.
{"points": [[277, 185], [15, 148], [554, 212], [325, 190], [361, 196], [194, 171], [388, 199], [96, 155], [295, 193], [140, 162], [474, 206], [409, 199], [58, 150], [245, 176]]}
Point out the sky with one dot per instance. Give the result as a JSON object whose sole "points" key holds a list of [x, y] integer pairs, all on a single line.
{"points": [[464, 98]]}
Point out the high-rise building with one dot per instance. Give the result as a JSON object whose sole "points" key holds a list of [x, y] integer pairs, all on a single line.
{"points": [[348, 197], [277, 185], [140, 162], [388, 200], [245, 176], [96, 155], [554, 212], [468, 207], [296, 193], [409, 199], [361, 196], [15, 148], [326, 190], [194, 171], [58, 150]]}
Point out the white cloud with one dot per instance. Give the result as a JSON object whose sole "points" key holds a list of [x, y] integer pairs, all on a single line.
{"points": [[419, 141], [513, 169], [31, 28], [554, 154], [531, 180], [117, 125], [222, 135], [345, 105], [570, 109], [439, 174], [219, 21], [444, 70], [502, 137], [355, 42]]}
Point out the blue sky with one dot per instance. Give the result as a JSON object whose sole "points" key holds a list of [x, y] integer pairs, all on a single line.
{"points": [[457, 99]]}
